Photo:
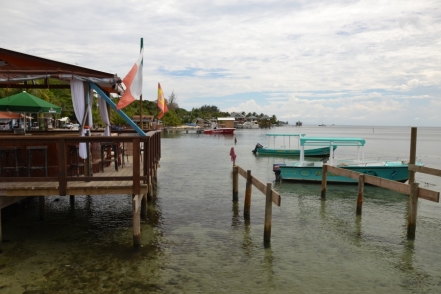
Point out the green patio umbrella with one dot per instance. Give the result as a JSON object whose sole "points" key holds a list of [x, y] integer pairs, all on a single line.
{"points": [[25, 102]]}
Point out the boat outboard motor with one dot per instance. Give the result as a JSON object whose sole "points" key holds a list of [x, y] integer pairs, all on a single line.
{"points": [[276, 170], [257, 146]]}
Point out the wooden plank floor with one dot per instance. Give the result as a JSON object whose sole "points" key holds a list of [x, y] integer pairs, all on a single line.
{"points": [[77, 187]]}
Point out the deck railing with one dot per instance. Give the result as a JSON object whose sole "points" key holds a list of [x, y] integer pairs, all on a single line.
{"points": [[149, 158]]}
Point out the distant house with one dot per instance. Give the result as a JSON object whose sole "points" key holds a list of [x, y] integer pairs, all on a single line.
{"points": [[226, 122], [239, 118], [252, 118], [145, 119]]}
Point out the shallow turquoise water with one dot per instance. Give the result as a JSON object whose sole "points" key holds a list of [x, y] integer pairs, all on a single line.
{"points": [[195, 239]]}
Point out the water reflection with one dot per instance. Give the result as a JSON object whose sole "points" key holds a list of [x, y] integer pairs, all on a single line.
{"points": [[195, 241], [269, 269], [236, 219]]}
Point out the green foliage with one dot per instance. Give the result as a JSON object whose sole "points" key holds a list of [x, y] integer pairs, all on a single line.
{"points": [[171, 119], [174, 117]]}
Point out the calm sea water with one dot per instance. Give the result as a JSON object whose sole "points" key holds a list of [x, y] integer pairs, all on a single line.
{"points": [[195, 239]]}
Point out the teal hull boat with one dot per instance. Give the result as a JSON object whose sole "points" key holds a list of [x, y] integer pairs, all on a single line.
{"points": [[313, 152], [311, 171], [394, 171]]}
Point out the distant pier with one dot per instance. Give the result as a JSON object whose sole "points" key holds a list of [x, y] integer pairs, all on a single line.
{"points": [[186, 129]]}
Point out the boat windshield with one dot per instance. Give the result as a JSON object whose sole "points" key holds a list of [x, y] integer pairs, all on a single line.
{"points": [[275, 135], [331, 142]]}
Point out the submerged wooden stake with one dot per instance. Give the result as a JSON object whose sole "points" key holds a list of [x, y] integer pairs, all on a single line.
{"points": [[1, 236], [268, 215], [360, 193], [144, 206], [136, 221], [247, 203], [412, 214], [41, 201], [324, 172], [235, 183], [150, 192]]}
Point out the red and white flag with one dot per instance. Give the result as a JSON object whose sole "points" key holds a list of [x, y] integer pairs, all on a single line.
{"points": [[133, 83]]}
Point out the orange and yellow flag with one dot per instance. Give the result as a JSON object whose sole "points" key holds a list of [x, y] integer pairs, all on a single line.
{"points": [[162, 104]]}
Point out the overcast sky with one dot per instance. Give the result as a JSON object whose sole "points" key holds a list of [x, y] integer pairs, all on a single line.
{"points": [[344, 62]]}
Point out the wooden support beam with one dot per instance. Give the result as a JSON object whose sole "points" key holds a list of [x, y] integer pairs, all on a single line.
{"points": [[412, 158], [242, 172], [324, 181], [6, 201], [262, 188], [144, 206], [150, 190], [41, 200], [235, 184], [360, 194], [1, 236], [412, 214], [62, 167], [425, 170], [136, 167], [385, 183], [268, 215], [136, 221], [247, 202]]}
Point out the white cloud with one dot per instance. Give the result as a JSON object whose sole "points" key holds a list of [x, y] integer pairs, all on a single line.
{"points": [[353, 61]]}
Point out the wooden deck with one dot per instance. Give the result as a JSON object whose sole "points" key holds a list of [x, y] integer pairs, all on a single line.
{"points": [[114, 184], [136, 173]]}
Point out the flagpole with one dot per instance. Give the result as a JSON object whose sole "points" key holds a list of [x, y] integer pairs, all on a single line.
{"points": [[141, 120]]}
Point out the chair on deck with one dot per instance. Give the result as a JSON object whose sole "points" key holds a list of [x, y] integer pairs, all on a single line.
{"points": [[110, 149], [32, 164], [75, 160], [11, 160]]}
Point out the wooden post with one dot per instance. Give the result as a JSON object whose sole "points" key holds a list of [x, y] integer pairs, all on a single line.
{"points": [[88, 160], [144, 206], [412, 214], [136, 167], [62, 162], [268, 215], [235, 183], [42, 207], [150, 190], [148, 165], [360, 193], [136, 221], [1, 236], [72, 200], [324, 173], [247, 202], [413, 141]]}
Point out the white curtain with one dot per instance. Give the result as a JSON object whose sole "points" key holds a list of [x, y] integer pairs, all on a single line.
{"points": [[79, 104], [89, 121], [104, 115]]}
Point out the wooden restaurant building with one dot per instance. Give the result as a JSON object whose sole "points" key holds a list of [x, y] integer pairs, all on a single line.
{"points": [[68, 163]]}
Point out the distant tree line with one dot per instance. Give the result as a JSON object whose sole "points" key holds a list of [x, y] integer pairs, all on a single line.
{"points": [[174, 117]]}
